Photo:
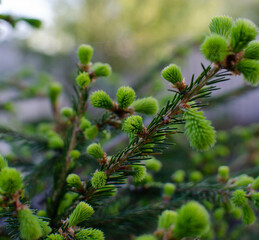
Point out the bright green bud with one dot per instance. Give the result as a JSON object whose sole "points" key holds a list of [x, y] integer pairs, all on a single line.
{"points": [[55, 141], [84, 123], [237, 212], [85, 53], [29, 225], [67, 112], [252, 50], [45, 228], [178, 176], [139, 173], [221, 25], [146, 237], [10, 180], [239, 198], [243, 32], [148, 105], [215, 48], [255, 199], [73, 180], [55, 237], [248, 216], [223, 172], [55, 89], [250, 70], [99, 179], [101, 99], [89, 234], [3, 162], [147, 179], [102, 69], [81, 213], [74, 154], [219, 213], [83, 80], [153, 164], [42, 213], [91, 132], [255, 184], [133, 124], [125, 97], [196, 176], [169, 189], [198, 130], [172, 73], [95, 150], [192, 221], [166, 219], [243, 180]]}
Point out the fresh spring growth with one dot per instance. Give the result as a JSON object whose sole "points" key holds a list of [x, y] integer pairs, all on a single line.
{"points": [[198, 130], [83, 80], [167, 219], [67, 112], [239, 198], [243, 32], [54, 91], [223, 172], [192, 221], [255, 199], [250, 70], [99, 179], [55, 237], [95, 150], [248, 216], [84, 123], [55, 142], [252, 50], [221, 25], [91, 132], [85, 53], [74, 154], [73, 180], [125, 97], [146, 237], [196, 176], [153, 164], [101, 99], [255, 184], [215, 48], [178, 176], [81, 213], [169, 189], [219, 213], [3, 162], [10, 180], [101, 69], [133, 124], [45, 228], [243, 180], [89, 233], [148, 105], [29, 225], [172, 73], [139, 173]]}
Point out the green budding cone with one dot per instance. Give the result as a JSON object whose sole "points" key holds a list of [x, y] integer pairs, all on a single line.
{"points": [[101, 99], [101, 69], [146, 237], [125, 97], [133, 124], [83, 80], [243, 32], [3, 163], [221, 25], [248, 216], [99, 179], [89, 234], [139, 173], [192, 220], [148, 105], [198, 130], [81, 213], [250, 70], [169, 189], [54, 91], [74, 180], [29, 225], [67, 112], [172, 73], [252, 50], [166, 219], [215, 48], [239, 198], [10, 180], [95, 150], [85, 53]]}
